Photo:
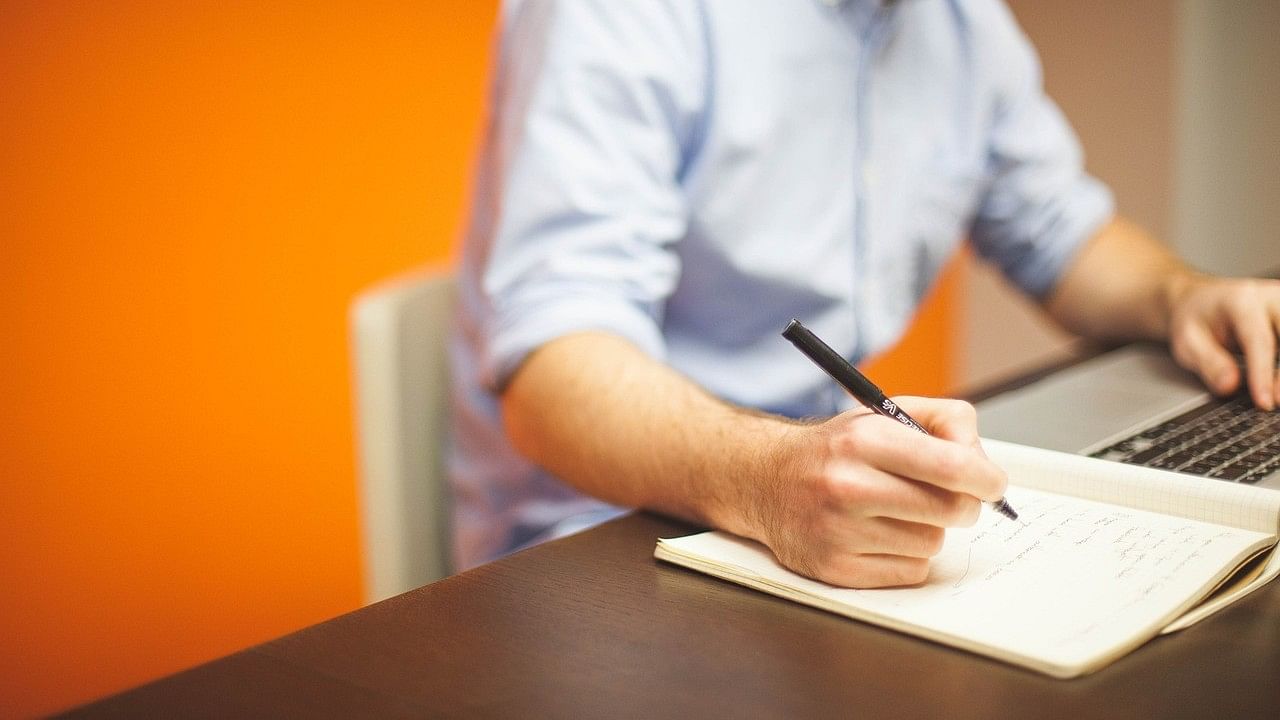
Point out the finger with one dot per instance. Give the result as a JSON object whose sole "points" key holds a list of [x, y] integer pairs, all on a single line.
{"points": [[950, 419], [871, 571], [879, 494], [1253, 329], [1273, 310], [1197, 350], [1275, 383], [891, 536], [949, 465], [927, 504]]}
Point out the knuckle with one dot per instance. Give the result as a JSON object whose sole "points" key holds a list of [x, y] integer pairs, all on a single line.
{"points": [[827, 485], [851, 441], [856, 442], [1243, 301], [963, 410], [843, 491]]}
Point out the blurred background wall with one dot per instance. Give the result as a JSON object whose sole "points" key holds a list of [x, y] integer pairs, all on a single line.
{"points": [[1227, 134], [191, 193], [1178, 109]]}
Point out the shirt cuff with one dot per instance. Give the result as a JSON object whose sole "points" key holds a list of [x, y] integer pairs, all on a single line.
{"points": [[522, 327], [1090, 207]]}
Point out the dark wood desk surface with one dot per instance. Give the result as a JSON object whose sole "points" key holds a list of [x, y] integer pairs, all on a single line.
{"points": [[593, 626]]}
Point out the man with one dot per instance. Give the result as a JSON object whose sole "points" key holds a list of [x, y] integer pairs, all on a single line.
{"points": [[666, 184]]}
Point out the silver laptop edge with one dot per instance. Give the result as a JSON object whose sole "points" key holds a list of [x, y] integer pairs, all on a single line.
{"points": [[1096, 403]]}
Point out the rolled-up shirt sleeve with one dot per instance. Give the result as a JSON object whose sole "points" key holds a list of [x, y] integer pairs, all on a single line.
{"points": [[1041, 206], [596, 109]]}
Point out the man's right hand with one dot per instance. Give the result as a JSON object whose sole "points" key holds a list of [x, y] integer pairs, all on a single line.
{"points": [[858, 500], [862, 501]]}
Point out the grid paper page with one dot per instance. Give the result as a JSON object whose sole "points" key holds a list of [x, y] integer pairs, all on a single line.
{"points": [[1161, 491]]}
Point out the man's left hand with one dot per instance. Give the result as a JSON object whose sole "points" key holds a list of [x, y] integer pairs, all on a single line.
{"points": [[1211, 318]]}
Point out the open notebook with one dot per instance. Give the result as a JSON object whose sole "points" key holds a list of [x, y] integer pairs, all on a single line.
{"points": [[1104, 557]]}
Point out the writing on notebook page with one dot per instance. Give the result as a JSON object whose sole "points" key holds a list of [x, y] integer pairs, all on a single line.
{"points": [[1066, 525], [1107, 556], [1057, 556]]}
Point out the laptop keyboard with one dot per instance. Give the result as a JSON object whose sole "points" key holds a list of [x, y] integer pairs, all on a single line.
{"points": [[1227, 439]]}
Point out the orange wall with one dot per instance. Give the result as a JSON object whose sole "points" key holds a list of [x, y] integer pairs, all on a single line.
{"points": [[190, 193], [924, 361]]}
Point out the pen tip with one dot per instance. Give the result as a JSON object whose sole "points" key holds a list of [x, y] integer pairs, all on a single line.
{"points": [[1002, 506]]}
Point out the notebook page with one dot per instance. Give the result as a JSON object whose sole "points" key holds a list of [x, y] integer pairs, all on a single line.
{"points": [[1268, 572], [1161, 491], [1076, 583]]}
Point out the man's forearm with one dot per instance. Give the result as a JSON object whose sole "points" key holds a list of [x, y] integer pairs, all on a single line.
{"points": [[856, 500], [1125, 285], [1121, 285], [618, 425]]}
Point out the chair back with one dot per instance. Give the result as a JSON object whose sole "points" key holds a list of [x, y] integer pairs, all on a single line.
{"points": [[401, 370]]}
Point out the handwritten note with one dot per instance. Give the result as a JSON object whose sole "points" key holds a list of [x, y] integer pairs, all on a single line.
{"points": [[1104, 570], [1073, 580]]}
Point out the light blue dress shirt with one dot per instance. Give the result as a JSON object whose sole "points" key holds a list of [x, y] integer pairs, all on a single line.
{"points": [[691, 174]]}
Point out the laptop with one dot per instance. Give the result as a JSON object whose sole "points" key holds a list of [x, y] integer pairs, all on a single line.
{"points": [[1136, 405]]}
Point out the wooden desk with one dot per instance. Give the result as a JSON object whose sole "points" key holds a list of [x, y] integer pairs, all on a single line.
{"points": [[593, 626]]}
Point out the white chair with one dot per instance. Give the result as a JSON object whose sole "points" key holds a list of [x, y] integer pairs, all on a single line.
{"points": [[401, 382]]}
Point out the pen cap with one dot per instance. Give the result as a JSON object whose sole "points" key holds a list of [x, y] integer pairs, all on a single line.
{"points": [[841, 370]]}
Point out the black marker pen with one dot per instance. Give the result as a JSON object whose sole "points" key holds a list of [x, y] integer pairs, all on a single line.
{"points": [[860, 387]]}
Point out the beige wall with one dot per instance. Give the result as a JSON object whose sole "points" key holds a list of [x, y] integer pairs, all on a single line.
{"points": [[1226, 217], [1110, 66], [1177, 105]]}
